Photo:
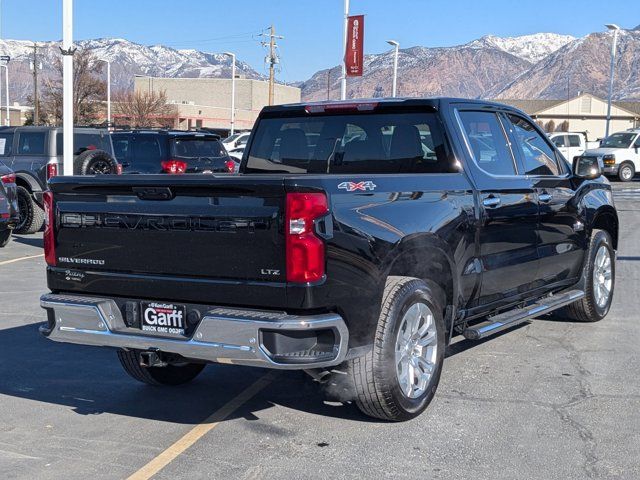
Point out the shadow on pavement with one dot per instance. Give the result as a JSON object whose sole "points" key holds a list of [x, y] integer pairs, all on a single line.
{"points": [[90, 381], [33, 241]]}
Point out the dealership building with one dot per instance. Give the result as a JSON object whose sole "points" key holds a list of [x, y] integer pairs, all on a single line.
{"points": [[206, 102], [584, 113]]}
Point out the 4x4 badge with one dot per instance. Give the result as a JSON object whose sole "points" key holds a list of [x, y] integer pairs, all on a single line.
{"points": [[353, 186]]}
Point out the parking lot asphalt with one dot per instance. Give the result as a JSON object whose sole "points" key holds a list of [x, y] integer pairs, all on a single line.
{"points": [[551, 399]]}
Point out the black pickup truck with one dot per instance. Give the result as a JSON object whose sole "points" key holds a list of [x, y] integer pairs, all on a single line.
{"points": [[357, 240]]}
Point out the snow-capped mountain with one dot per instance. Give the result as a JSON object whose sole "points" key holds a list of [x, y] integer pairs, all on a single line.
{"points": [[544, 65], [532, 48], [127, 59]]}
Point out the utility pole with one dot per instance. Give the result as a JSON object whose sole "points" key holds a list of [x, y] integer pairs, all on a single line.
{"points": [[272, 58], [67, 51], [36, 102]]}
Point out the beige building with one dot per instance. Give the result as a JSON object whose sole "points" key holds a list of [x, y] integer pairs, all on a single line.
{"points": [[584, 113], [18, 114], [206, 102]]}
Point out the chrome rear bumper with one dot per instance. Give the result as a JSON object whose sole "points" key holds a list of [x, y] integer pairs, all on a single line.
{"points": [[224, 335]]}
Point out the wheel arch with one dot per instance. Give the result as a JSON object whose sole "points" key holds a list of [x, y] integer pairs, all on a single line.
{"points": [[428, 258], [28, 182], [606, 218]]}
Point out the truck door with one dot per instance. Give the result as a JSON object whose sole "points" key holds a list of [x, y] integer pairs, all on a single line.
{"points": [[561, 234], [508, 209], [575, 146]]}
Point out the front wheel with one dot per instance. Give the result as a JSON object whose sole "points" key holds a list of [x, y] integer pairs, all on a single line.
{"points": [[399, 377], [599, 280], [170, 375], [626, 172]]}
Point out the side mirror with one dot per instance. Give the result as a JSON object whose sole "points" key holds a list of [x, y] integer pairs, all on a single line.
{"points": [[587, 167]]}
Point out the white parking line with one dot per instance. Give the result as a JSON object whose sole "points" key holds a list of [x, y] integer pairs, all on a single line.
{"points": [[14, 260]]}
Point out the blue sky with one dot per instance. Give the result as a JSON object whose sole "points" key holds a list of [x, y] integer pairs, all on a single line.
{"points": [[312, 28]]}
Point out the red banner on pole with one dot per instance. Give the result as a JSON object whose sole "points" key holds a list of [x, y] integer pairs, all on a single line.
{"points": [[354, 55]]}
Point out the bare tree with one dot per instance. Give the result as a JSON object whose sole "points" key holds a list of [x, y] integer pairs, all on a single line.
{"points": [[563, 126], [89, 91], [145, 109], [550, 126]]}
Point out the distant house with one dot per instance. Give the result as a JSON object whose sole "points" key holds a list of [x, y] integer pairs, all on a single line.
{"points": [[584, 113]]}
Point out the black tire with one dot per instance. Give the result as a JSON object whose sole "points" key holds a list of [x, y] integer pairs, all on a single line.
{"points": [[94, 162], [626, 172], [5, 237], [31, 215], [378, 391], [169, 375], [587, 309]]}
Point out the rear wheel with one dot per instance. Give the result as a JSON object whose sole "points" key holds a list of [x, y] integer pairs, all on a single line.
{"points": [[170, 375], [399, 377], [31, 216], [5, 237], [626, 172], [599, 281]]}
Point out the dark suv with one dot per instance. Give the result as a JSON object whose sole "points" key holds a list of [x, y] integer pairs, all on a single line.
{"points": [[166, 151], [35, 155]]}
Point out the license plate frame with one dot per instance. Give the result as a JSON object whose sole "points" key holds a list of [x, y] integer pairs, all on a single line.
{"points": [[163, 318]]}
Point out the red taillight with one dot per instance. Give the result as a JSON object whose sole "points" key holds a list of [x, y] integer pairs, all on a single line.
{"points": [[305, 251], [230, 165], [174, 166], [49, 229], [52, 170], [9, 178], [119, 169]]}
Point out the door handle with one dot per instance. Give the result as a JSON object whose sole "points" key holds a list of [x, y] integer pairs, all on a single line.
{"points": [[491, 201], [545, 197]]}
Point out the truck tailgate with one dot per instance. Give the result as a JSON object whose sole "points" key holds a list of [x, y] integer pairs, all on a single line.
{"points": [[206, 227]]}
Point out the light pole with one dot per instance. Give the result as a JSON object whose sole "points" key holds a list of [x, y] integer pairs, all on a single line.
{"points": [[233, 91], [396, 46], [108, 91], [5, 64], [67, 51], [615, 30], [343, 81]]}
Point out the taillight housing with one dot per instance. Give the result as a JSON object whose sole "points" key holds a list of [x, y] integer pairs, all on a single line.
{"points": [[304, 249], [174, 166], [52, 170], [9, 178], [119, 169], [230, 166], [49, 229]]}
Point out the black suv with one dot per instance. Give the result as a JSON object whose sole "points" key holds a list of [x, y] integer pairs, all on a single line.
{"points": [[35, 155], [167, 151]]}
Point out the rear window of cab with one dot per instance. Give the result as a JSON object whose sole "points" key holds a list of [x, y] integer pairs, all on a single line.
{"points": [[350, 143]]}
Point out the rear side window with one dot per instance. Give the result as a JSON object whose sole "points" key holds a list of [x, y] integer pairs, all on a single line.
{"points": [[121, 145], [350, 143], [6, 144], [31, 143], [83, 142], [488, 142], [197, 148], [538, 156], [147, 150], [574, 141]]}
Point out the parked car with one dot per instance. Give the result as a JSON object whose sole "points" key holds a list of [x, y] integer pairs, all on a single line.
{"points": [[8, 204], [572, 144], [175, 152], [619, 153], [356, 260], [35, 155], [237, 140]]}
